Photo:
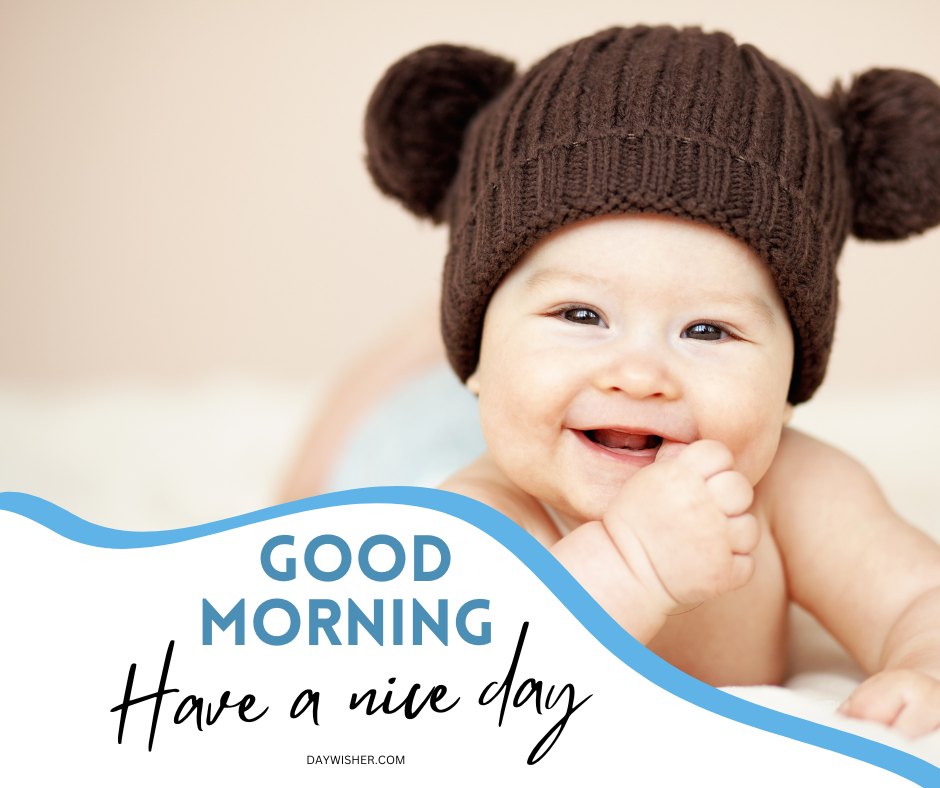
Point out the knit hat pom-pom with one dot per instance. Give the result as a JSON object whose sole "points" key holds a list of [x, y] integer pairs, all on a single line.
{"points": [[417, 116], [891, 123]]}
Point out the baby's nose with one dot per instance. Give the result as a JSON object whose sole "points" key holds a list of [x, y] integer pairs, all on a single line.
{"points": [[639, 373]]}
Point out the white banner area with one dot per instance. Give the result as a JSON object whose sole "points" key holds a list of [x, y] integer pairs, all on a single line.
{"points": [[395, 635]]}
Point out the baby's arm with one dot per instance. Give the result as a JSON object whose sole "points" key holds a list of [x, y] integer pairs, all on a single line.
{"points": [[869, 577], [676, 535], [905, 694]]}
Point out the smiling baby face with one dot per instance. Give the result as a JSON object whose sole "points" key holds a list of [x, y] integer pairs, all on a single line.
{"points": [[619, 335]]}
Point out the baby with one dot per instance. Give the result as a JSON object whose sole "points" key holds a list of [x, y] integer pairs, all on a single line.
{"points": [[640, 286]]}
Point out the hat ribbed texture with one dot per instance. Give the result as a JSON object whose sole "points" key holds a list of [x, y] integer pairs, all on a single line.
{"points": [[656, 120]]}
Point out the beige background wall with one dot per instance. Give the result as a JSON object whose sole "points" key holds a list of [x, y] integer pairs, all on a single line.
{"points": [[182, 194]]}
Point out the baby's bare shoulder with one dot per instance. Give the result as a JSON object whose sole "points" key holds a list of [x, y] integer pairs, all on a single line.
{"points": [[808, 473], [483, 481], [797, 448], [819, 501]]}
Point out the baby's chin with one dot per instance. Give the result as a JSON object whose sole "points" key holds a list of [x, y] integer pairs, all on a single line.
{"points": [[581, 500], [583, 506]]}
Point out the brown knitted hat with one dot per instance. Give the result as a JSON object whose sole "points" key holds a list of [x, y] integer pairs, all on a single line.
{"points": [[658, 120]]}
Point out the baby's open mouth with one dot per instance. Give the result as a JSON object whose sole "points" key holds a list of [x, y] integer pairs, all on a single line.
{"points": [[623, 441]]}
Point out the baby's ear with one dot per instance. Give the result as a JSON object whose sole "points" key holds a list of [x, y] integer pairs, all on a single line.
{"points": [[417, 117], [891, 125], [473, 384]]}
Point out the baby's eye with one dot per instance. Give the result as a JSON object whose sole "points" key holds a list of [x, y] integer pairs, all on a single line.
{"points": [[581, 314], [707, 331]]}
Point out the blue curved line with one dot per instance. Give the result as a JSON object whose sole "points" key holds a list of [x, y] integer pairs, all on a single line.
{"points": [[544, 565]]}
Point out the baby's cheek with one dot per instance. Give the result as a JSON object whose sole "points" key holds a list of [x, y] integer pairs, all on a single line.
{"points": [[505, 420], [503, 403], [752, 433]]}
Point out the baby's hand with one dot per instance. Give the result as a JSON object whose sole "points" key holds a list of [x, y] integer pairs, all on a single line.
{"points": [[682, 527], [906, 700]]}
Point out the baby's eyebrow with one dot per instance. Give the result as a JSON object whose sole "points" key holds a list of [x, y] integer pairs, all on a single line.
{"points": [[541, 278], [752, 301]]}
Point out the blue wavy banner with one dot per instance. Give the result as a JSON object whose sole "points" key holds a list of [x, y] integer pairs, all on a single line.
{"points": [[539, 561]]}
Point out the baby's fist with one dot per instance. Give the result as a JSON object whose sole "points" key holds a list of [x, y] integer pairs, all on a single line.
{"points": [[906, 700], [682, 523]]}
